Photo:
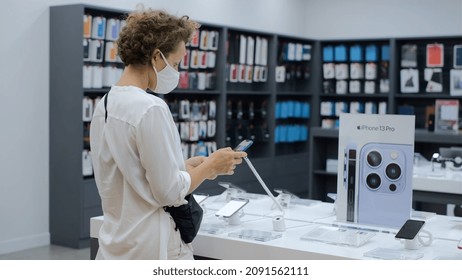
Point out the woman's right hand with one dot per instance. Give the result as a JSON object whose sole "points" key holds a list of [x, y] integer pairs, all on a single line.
{"points": [[224, 161], [221, 162]]}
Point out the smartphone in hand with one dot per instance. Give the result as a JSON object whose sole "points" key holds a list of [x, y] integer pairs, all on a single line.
{"points": [[244, 145]]}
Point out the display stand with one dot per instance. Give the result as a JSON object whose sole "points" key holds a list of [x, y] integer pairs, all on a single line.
{"points": [[339, 236], [278, 221], [235, 219], [393, 254], [257, 235]]}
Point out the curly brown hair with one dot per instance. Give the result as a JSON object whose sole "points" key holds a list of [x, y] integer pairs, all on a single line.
{"points": [[149, 29]]}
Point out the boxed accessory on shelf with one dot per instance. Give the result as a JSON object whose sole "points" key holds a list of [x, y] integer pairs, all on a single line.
{"points": [[447, 116]]}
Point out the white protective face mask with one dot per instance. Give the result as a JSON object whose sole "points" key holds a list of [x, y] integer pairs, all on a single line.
{"points": [[167, 78]]}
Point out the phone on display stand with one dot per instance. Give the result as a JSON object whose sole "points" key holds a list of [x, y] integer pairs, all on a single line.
{"points": [[231, 207], [410, 229], [244, 145]]}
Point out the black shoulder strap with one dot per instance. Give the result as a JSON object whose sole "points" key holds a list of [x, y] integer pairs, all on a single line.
{"points": [[105, 106]]}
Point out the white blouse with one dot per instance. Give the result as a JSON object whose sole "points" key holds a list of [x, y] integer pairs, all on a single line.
{"points": [[139, 168]]}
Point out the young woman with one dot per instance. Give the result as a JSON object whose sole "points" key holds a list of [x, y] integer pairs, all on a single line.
{"points": [[136, 148]]}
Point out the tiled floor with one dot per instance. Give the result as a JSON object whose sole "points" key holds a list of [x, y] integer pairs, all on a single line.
{"points": [[51, 252]]}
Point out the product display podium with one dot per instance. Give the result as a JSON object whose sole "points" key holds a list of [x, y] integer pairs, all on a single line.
{"points": [[311, 232]]}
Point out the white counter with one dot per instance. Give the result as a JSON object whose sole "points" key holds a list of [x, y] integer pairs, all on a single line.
{"points": [[300, 219]]}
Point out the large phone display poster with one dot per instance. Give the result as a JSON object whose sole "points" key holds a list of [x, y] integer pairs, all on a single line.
{"points": [[374, 185]]}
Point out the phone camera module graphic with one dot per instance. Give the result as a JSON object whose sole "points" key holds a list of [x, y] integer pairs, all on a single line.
{"points": [[390, 171], [374, 158], [373, 181], [384, 183], [393, 171]]}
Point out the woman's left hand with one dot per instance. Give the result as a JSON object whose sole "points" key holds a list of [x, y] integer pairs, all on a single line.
{"points": [[194, 162]]}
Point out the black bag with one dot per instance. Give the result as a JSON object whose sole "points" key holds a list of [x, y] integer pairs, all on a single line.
{"points": [[187, 217]]}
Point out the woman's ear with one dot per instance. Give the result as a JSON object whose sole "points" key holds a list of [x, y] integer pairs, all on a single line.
{"points": [[156, 54]]}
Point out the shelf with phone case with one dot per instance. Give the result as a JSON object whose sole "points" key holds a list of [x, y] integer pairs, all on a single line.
{"points": [[359, 66], [198, 68], [83, 65], [195, 103], [248, 60], [430, 69], [292, 114], [293, 65], [196, 120], [355, 78], [293, 94], [247, 117], [102, 67], [331, 108]]}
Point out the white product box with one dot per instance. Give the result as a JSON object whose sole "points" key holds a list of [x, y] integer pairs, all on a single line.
{"points": [[331, 165]]}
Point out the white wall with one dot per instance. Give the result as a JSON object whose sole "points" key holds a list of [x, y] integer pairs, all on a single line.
{"points": [[382, 18], [24, 78]]}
